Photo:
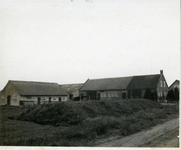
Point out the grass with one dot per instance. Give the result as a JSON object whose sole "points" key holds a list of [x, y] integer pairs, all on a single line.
{"points": [[72, 113], [80, 123]]}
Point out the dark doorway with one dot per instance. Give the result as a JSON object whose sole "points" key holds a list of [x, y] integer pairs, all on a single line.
{"points": [[49, 100], [71, 96], [98, 96], [39, 99], [91, 95], [8, 100], [21, 103], [59, 99], [124, 95]]}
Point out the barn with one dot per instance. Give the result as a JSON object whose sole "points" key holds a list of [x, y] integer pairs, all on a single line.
{"points": [[126, 87], [20, 93], [105, 89]]}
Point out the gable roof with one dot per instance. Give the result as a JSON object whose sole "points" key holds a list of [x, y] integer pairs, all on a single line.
{"points": [[144, 81], [28, 88], [176, 83], [106, 84], [71, 88]]}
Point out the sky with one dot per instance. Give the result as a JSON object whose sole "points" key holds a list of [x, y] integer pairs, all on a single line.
{"points": [[69, 41]]}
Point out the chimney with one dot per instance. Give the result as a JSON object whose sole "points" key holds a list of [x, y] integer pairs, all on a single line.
{"points": [[161, 72]]}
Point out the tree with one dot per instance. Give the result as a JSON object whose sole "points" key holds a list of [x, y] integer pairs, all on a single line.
{"points": [[173, 95], [176, 94]]}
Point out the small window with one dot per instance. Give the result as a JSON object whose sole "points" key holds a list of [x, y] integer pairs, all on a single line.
{"points": [[164, 84], [102, 94], [105, 95], [116, 94], [21, 103], [109, 94], [160, 83], [112, 94]]}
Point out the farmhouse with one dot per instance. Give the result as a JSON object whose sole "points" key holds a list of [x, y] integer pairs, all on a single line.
{"points": [[125, 87], [72, 90], [155, 83], [19, 93]]}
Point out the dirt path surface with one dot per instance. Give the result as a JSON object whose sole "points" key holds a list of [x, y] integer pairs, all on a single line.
{"points": [[163, 135]]}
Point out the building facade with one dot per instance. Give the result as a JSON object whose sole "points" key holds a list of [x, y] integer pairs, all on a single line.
{"points": [[125, 88], [105, 89], [155, 83], [19, 93]]}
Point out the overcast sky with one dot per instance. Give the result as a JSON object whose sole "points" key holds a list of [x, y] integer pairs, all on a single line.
{"points": [[68, 42]]}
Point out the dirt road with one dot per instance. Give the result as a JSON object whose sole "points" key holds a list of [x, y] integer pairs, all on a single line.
{"points": [[163, 135]]}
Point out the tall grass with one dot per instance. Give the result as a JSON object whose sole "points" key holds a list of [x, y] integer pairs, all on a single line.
{"points": [[86, 121], [72, 113]]}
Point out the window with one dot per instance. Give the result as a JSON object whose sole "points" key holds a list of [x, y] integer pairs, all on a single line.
{"points": [[102, 94], [109, 94], [112, 94], [116, 94], [160, 93], [160, 83], [164, 84], [105, 95]]}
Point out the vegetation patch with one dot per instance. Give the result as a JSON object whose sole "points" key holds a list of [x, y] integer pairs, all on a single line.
{"points": [[81, 123], [72, 113]]}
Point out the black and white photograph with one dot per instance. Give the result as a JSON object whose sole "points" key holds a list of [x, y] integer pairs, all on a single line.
{"points": [[89, 74]]}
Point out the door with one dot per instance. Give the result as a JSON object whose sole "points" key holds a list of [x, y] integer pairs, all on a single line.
{"points": [[98, 96], [124, 95], [39, 100], [8, 100]]}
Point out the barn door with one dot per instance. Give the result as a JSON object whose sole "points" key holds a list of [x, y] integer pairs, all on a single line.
{"points": [[8, 100]]}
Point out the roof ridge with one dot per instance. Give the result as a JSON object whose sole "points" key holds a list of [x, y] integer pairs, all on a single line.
{"points": [[146, 75], [112, 78], [71, 84], [33, 82]]}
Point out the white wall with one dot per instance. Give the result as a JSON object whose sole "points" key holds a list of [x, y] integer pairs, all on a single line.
{"points": [[9, 90]]}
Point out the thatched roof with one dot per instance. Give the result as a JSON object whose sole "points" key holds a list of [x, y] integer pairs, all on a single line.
{"points": [[106, 84], [145, 81], [27, 88], [71, 88]]}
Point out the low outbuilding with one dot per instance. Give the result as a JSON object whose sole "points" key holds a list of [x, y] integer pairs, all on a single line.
{"points": [[19, 93]]}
